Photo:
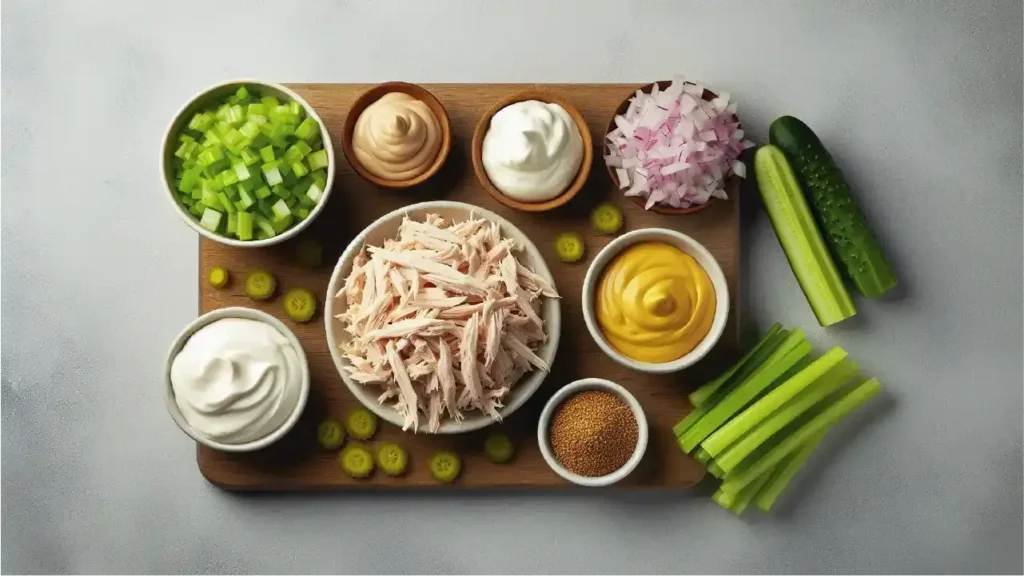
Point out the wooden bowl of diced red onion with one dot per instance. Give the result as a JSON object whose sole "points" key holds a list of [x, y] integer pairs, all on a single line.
{"points": [[673, 145]]}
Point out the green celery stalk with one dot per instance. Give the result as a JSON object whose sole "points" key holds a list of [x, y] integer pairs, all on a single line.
{"points": [[244, 226], [700, 395], [738, 502], [827, 418], [732, 430], [689, 420], [821, 388], [793, 348], [785, 472]]}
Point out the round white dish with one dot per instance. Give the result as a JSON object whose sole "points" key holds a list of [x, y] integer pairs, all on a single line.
{"points": [[387, 227], [687, 245], [184, 115], [544, 439], [209, 318]]}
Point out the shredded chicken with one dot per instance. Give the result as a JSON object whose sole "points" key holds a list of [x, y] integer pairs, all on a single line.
{"points": [[443, 318]]}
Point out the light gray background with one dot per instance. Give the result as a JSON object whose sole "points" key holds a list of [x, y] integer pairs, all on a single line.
{"points": [[919, 101]]}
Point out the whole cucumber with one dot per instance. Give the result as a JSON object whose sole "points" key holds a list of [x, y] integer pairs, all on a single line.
{"points": [[842, 222]]}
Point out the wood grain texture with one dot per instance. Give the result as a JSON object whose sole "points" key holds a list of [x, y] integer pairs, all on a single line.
{"points": [[297, 463]]}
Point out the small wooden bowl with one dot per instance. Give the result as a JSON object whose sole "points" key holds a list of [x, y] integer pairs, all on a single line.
{"points": [[707, 95], [574, 187], [374, 94]]}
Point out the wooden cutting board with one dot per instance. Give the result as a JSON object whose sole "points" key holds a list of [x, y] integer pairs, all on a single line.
{"points": [[297, 462]]}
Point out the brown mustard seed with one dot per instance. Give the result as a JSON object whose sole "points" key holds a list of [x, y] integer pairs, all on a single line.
{"points": [[593, 433]]}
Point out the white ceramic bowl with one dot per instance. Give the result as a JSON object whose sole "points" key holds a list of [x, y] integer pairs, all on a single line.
{"points": [[387, 227], [181, 120], [544, 438], [209, 318], [687, 245]]}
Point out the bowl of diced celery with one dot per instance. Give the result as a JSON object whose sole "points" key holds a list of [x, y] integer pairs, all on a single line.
{"points": [[248, 163]]}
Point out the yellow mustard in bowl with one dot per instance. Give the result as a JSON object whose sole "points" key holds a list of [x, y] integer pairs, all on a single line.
{"points": [[654, 303]]}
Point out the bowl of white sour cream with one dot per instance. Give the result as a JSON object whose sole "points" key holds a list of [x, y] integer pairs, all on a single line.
{"points": [[236, 380]]}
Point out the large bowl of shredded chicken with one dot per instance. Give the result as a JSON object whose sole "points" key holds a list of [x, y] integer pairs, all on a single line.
{"points": [[442, 317]]}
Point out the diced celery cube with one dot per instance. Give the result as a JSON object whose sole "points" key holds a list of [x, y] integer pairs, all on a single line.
{"points": [[269, 102], [186, 150], [302, 213], [291, 201], [217, 167], [249, 157], [299, 169], [186, 200], [262, 234], [250, 130], [280, 209], [292, 155], [210, 220], [239, 206], [281, 224], [190, 179], [226, 203], [244, 226], [245, 199], [264, 206], [210, 155], [263, 192], [251, 184], [228, 177], [320, 178], [260, 140], [272, 176], [201, 121], [232, 223], [241, 170], [255, 109], [303, 148], [197, 209], [314, 193], [295, 108], [258, 120], [233, 140], [221, 128], [235, 115], [210, 198], [242, 93], [281, 191], [267, 153], [284, 167], [264, 225], [306, 202], [289, 178], [317, 159], [307, 129]]}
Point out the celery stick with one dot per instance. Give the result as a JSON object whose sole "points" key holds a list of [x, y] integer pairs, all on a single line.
{"points": [[821, 388], [700, 395], [688, 421], [759, 359], [702, 456], [827, 418], [716, 470], [738, 502], [785, 472], [790, 351], [244, 226], [769, 403]]}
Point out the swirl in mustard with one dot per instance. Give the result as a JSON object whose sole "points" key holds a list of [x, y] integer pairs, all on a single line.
{"points": [[397, 137], [655, 303]]}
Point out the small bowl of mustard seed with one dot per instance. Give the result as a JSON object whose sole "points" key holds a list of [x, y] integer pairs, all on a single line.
{"points": [[592, 432]]}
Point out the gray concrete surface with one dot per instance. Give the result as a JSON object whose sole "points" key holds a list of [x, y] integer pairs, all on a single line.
{"points": [[919, 101]]}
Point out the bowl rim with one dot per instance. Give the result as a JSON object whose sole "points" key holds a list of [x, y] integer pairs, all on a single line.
{"points": [[544, 422], [532, 380], [167, 151], [621, 109], [371, 95], [686, 244], [205, 320], [586, 163]]}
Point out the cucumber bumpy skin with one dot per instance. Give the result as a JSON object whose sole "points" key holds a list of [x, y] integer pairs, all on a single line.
{"points": [[800, 238], [842, 222]]}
